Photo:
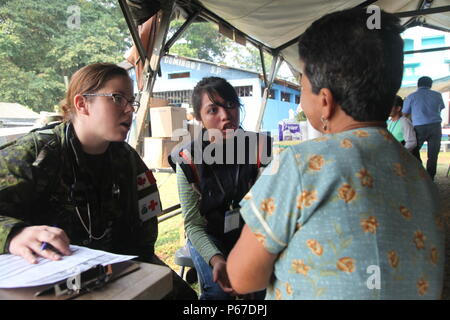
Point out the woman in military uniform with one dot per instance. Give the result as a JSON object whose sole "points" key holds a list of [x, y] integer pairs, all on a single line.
{"points": [[210, 191], [79, 182]]}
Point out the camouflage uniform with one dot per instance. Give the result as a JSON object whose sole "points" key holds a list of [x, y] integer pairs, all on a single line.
{"points": [[38, 187]]}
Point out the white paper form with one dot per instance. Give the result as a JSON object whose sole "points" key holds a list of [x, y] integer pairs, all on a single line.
{"points": [[16, 272]]}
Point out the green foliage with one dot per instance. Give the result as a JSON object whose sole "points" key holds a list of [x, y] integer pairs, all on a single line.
{"points": [[38, 46], [300, 116], [201, 40]]}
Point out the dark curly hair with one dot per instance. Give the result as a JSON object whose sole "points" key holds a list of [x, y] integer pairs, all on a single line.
{"points": [[362, 67]]}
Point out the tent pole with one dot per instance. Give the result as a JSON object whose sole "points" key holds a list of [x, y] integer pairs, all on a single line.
{"points": [[180, 31], [133, 30], [263, 65], [276, 63], [152, 67]]}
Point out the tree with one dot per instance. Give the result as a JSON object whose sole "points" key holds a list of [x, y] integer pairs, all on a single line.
{"points": [[201, 40], [39, 45]]}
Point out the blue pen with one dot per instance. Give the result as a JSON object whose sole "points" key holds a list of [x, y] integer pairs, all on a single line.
{"points": [[44, 245]]}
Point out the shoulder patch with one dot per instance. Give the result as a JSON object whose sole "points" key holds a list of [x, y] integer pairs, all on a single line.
{"points": [[145, 180]]}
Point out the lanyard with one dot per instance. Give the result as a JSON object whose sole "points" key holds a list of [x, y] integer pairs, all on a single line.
{"points": [[236, 180]]}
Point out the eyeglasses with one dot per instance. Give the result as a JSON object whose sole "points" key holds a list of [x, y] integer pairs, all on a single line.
{"points": [[118, 99]]}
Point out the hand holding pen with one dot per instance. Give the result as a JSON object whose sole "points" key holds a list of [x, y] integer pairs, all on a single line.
{"points": [[45, 241]]}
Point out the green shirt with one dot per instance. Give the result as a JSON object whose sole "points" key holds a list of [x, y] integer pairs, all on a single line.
{"points": [[396, 129]]}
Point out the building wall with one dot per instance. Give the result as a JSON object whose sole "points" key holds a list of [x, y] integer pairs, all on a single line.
{"points": [[277, 109], [181, 75], [433, 64]]}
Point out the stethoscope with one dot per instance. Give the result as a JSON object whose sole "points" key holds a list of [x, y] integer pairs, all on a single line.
{"points": [[78, 190]]}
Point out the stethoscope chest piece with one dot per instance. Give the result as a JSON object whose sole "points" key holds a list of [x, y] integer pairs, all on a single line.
{"points": [[115, 191]]}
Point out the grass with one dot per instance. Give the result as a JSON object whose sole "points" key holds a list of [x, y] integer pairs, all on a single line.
{"points": [[171, 231]]}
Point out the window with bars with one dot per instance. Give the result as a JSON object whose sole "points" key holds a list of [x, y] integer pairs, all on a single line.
{"points": [[175, 98], [244, 91], [271, 93], [179, 75], [285, 96], [297, 99]]}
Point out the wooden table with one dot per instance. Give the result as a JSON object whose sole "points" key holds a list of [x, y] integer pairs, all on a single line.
{"points": [[148, 282]]}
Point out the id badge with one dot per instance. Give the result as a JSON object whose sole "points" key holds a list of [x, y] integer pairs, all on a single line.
{"points": [[231, 220]]}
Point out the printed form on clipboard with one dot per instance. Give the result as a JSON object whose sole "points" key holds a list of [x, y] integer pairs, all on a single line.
{"points": [[15, 272]]}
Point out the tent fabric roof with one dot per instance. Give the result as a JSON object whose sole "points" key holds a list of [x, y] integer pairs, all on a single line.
{"points": [[276, 22]]}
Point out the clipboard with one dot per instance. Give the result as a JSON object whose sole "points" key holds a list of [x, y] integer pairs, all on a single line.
{"points": [[49, 292]]}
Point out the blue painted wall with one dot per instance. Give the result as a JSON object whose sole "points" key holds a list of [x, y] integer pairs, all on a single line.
{"points": [[276, 109]]}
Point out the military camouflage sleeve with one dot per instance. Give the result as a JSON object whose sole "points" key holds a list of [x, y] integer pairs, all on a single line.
{"points": [[16, 186]]}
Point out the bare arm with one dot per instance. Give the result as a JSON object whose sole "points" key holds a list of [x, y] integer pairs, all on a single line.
{"points": [[249, 264]]}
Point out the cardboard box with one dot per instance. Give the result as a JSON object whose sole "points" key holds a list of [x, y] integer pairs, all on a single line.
{"points": [[156, 151], [166, 120]]}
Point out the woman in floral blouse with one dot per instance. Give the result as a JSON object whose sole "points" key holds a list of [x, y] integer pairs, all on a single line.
{"points": [[350, 215]]}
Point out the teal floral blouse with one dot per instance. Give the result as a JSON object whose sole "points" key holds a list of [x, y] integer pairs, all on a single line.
{"points": [[351, 215]]}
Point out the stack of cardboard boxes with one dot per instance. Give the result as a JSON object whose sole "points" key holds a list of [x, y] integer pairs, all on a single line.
{"points": [[169, 128], [166, 129]]}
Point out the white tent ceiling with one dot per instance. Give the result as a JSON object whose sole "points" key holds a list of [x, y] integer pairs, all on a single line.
{"points": [[276, 22]]}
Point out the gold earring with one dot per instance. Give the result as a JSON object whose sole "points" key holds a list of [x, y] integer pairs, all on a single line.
{"points": [[324, 123]]}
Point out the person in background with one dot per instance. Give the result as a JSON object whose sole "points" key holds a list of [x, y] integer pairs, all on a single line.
{"points": [[424, 106], [210, 191], [401, 127], [352, 214], [78, 182]]}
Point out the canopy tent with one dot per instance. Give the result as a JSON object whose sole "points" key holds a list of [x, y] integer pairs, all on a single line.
{"points": [[273, 26]]}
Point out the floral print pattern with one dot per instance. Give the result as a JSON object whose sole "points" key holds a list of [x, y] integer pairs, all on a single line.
{"points": [[347, 193], [434, 255], [315, 247], [405, 212], [399, 170], [365, 177], [361, 133], [393, 259], [346, 264], [316, 162], [306, 199], [422, 286], [268, 205], [346, 144], [419, 240], [369, 225], [300, 267], [336, 206]]}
